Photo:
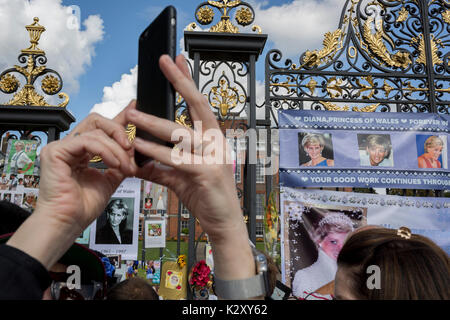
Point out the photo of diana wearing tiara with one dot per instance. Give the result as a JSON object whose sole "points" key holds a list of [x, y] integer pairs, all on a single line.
{"points": [[316, 236]]}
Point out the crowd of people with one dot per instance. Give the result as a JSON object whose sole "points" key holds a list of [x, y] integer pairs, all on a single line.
{"points": [[37, 250]]}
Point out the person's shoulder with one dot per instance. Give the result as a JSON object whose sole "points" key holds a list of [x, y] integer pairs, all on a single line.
{"points": [[103, 228], [364, 158], [421, 161], [129, 233], [330, 162], [306, 271], [102, 233], [127, 236], [386, 163], [303, 281]]}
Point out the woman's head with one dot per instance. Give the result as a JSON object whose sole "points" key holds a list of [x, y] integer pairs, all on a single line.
{"points": [[19, 145], [116, 212], [331, 233], [378, 148], [313, 144], [30, 197], [132, 289], [409, 267], [433, 145]]}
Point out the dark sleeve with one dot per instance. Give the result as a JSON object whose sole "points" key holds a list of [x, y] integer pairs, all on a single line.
{"points": [[127, 236], [21, 276]]}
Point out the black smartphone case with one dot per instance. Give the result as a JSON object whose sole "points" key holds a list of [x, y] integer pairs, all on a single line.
{"points": [[155, 94]]}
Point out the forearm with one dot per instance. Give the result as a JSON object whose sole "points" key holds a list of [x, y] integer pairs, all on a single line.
{"points": [[233, 260], [232, 254]]}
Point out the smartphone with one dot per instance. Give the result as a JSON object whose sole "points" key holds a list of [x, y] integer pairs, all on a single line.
{"points": [[155, 94]]}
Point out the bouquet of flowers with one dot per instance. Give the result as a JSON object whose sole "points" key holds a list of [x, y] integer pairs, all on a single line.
{"points": [[181, 260], [200, 280], [271, 226]]}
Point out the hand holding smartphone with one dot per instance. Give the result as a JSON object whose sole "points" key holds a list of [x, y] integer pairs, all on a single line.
{"points": [[155, 94]]}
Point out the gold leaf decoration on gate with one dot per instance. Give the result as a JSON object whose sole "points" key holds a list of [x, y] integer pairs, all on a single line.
{"points": [[376, 45], [332, 43]]}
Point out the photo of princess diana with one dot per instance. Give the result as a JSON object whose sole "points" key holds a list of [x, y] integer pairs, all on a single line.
{"points": [[315, 150], [315, 237]]}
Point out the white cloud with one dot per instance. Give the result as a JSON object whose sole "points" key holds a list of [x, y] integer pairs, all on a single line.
{"points": [[299, 25], [117, 97], [69, 49]]}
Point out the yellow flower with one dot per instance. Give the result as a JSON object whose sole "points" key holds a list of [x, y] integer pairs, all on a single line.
{"points": [[181, 260]]}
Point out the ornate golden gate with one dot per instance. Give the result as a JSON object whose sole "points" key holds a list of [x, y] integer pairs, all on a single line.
{"points": [[386, 55]]}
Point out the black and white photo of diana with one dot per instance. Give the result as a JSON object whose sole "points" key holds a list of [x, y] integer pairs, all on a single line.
{"points": [[115, 225]]}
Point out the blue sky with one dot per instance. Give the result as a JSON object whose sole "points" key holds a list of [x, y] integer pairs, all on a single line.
{"points": [[117, 53], [96, 60]]}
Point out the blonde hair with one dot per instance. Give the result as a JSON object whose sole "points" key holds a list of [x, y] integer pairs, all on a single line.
{"points": [[312, 138], [432, 141], [374, 140], [19, 143]]}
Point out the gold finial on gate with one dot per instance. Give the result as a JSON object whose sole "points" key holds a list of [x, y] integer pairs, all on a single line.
{"points": [[35, 30], [244, 16], [51, 84]]}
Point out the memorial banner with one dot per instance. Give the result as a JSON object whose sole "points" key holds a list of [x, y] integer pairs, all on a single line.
{"points": [[116, 230], [315, 223], [356, 149]]}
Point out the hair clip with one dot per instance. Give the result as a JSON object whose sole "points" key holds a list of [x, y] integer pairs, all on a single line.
{"points": [[404, 232]]}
